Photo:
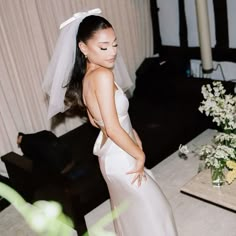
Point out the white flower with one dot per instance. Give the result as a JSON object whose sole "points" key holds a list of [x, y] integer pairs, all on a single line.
{"points": [[183, 149], [224, 152], [221, 106]]}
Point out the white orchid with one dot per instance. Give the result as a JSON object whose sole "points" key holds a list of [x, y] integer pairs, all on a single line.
{"points": [[183, 151]]}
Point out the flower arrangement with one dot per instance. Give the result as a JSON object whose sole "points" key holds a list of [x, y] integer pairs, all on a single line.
{"points": [[220, 156]]}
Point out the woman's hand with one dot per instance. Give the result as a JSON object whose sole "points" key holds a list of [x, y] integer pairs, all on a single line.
{"points": [[138, 171]]}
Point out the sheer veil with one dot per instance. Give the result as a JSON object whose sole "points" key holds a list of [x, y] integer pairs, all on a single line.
{"points": [[62, 62]]}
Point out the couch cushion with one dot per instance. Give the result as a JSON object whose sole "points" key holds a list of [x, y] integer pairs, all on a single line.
{"points": [[45, 150]]}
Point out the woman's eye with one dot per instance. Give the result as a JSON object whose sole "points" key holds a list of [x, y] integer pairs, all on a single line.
{"points": [[116, 45]]}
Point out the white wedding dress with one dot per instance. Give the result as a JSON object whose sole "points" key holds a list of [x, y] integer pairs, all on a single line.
{"points": [[147, 210]]}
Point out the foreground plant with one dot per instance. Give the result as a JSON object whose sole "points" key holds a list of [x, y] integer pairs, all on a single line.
{"points": [[47, 219], [44, 217]]}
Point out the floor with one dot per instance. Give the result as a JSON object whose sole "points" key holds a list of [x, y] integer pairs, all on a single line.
{"points": [[193, 217]]}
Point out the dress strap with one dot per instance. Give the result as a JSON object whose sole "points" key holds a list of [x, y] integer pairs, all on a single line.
{"points": [[119, 88]]}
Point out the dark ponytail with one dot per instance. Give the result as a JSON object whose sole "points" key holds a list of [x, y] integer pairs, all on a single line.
{"points": [[87, 28]]}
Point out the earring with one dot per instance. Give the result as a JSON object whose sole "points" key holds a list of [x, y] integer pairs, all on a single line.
{"points": [[86, 56]]}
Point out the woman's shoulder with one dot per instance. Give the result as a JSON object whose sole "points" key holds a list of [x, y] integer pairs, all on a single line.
{"points": [[102, 71], [103, 75]]}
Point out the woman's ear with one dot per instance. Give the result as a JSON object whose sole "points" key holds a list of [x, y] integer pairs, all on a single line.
{"points": [[83, 48]]}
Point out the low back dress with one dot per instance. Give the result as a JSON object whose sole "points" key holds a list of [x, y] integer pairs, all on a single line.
{"points": [[147, 210]]}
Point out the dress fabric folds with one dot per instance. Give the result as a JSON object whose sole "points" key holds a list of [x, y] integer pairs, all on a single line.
{"points": [[145, 209]]}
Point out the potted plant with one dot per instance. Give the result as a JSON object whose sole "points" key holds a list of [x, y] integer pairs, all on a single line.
{"points": [[220, 155]]}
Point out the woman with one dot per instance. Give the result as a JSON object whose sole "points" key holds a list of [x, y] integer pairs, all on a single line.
{"points": [[121, 158]]}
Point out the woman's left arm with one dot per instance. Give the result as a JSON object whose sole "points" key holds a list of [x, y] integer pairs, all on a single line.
{"points": [[137, 138]]}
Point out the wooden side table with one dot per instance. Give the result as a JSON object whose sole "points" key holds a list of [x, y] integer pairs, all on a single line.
{"points": [[200, 186]]}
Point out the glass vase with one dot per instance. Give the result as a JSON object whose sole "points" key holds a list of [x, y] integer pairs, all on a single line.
{"points": [[217, 176]]}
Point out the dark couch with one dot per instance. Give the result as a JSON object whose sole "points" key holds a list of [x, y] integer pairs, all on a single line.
{"points": [[79, 191], [164, 107]]}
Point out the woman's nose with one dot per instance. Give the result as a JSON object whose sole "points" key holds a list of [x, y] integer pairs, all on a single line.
{"points": [[114, 51]]}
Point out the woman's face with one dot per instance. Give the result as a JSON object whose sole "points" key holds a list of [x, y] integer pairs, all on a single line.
{"points": [[101, 49]]}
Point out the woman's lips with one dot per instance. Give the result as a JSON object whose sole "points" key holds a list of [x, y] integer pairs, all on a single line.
{"points": [[112, 60]]}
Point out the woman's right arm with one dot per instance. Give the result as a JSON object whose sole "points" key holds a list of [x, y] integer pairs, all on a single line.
{"points": [[104, 84]]}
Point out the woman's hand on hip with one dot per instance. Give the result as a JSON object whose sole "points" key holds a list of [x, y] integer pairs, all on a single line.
{"points": [[139, 174]]}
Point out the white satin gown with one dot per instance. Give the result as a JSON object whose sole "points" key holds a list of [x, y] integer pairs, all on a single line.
{"points": [[144, 210]]}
